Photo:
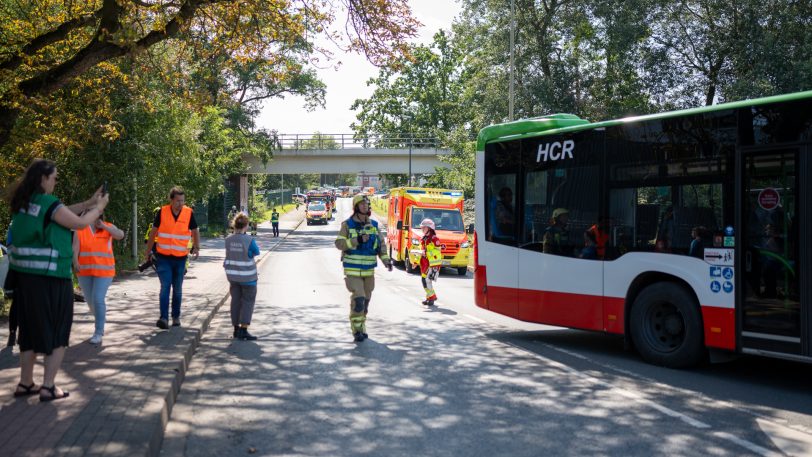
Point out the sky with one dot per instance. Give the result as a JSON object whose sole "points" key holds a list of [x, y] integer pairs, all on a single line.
{"points": [[288, 115]]}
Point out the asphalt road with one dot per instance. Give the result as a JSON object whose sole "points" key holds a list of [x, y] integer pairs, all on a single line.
{"points": [[457, 380]]}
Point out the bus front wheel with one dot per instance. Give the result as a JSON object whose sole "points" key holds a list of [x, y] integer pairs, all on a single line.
{"points": [[666, 326], [408, 265]]}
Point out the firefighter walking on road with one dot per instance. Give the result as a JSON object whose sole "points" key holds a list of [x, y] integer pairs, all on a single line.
{"points": [[361, 243], [430, 261]]}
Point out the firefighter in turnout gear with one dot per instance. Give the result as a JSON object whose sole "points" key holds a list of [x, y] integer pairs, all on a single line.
{"points": [[361, 244], [430, 261]]}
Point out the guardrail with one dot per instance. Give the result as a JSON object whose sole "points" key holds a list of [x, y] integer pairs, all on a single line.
{"points": [[311, 141]]}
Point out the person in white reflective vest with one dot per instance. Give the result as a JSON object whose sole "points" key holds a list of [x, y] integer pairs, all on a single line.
{"points": [[241, 271]]}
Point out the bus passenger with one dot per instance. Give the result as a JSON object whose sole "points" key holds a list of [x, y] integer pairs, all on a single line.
{"points": [[697, 248], [504, 213], [556, 236], [600, 235], [665, 231], [590, 250]]}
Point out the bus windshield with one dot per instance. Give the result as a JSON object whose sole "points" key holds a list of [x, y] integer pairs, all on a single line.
{"points": [[444, 219]]}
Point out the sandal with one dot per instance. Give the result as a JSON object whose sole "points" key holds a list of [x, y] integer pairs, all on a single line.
{"points": [[28, 390], [52, 391]]}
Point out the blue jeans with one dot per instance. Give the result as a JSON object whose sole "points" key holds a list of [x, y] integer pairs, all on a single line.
{"points": [[95, 290], [170, 272]]}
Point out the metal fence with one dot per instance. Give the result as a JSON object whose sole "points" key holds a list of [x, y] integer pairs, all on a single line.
{"points": [[311, 141]]}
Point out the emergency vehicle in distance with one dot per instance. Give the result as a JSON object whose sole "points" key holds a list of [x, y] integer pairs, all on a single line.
{"points": [[323, 197], [317, 213], [408, 206]]}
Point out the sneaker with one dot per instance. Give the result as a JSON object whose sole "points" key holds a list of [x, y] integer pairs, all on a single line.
{"points": [[358, 337], [245, 336], [162, 324], [175, 322], [96, 339], [365, 335]]}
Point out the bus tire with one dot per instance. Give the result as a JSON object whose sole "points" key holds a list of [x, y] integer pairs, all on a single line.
{"points": [[462, 271], [666, 326]]}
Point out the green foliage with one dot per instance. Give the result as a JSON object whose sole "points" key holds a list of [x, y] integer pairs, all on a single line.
{"points": [[593, 58]]}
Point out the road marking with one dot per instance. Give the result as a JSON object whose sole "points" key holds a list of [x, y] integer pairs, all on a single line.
{"points": [[474, 318], [712, 402], [752, 447]]}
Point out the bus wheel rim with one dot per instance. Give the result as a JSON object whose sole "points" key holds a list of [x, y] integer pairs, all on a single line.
{"points": [[664, 327]]}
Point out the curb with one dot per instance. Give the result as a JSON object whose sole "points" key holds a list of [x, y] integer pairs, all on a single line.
{"points": [[155, 442]]}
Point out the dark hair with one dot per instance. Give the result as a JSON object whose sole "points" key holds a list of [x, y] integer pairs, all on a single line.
{"points": [[29, 184], [177, 190]]}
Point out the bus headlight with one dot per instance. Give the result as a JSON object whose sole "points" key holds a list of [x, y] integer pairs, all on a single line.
{"points": [[415, 242], [465, 244]]}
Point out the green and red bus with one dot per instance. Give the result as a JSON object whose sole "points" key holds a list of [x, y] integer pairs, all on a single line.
{"points": [[684, 231]]}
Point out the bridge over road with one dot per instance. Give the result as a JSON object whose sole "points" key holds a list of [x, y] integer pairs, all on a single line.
{"points": [[346, 153]]}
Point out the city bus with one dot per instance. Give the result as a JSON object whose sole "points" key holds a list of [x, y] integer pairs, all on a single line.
{"points": [[679, 230]]}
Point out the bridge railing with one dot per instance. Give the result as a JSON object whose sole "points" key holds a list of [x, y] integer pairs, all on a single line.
{"points": [[311, 141]]}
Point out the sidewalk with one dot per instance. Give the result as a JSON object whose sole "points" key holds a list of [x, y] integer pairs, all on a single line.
{"points": [[121, 393]]}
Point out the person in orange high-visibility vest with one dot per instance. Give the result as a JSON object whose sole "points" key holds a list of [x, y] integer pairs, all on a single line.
{"points": [[95, 267], [173, 227], [601, 233]]}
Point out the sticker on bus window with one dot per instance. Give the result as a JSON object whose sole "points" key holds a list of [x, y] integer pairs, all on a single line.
{"points": [[730, 241], [769, 199], [722, 257]]}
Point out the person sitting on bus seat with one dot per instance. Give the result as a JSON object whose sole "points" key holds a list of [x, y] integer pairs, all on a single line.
{"points": [[556, 236], [590, 250], [697, 248], [600, 234], [502, 226]]}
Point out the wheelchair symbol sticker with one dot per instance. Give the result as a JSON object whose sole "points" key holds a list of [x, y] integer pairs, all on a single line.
{"points": [[727, 273]]}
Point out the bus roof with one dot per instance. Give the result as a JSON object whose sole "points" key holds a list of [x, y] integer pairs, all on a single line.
{"points": [[564, 123]]}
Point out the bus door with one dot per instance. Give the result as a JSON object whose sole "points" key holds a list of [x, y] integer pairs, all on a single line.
{"points": [[772, 275]]}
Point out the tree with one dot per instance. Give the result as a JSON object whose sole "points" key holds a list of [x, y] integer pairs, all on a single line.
{"points": [[415, 99], [49, 44]]}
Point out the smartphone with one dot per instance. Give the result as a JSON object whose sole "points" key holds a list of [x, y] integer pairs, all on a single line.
{"points": [[104, 188]]}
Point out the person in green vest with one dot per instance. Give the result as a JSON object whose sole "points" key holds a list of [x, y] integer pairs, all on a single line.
{"points": [[41, 258], [275, 222]]}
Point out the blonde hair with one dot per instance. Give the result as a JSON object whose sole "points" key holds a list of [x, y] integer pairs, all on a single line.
{"points": [[240, 221]]}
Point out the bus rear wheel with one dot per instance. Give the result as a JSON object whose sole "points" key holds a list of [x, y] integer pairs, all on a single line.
{"points": [[666, 326]]}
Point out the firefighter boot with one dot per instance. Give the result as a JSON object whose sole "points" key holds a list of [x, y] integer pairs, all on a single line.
{"points": [[364, 324], [357, 318]]}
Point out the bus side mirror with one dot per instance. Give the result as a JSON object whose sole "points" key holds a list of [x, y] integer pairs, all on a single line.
{"points": [[470, 229], [400, 225]]}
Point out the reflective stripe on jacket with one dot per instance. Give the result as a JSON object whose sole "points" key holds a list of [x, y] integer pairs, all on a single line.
{"points": [[361, 260], [173, 236], [39, 248], [238, 265], [96, 253]]}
